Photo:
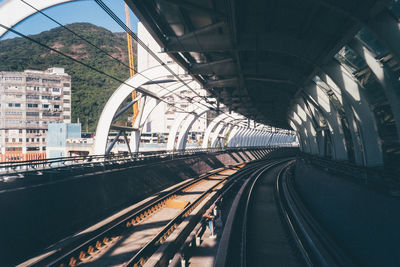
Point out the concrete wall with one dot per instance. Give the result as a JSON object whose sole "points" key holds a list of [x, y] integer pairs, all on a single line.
{"points": [[363, 221], [34, 217]]}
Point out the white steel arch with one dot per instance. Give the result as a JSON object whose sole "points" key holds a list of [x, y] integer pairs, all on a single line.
{"points": [[117, 98], [9, 17], [232, 136], [190, 119], [211, 127]]}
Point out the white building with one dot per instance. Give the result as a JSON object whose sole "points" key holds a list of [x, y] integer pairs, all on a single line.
{"points": [[162, 119], [29, 101]]}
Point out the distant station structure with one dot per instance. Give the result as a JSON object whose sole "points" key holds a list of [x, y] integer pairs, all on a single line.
{"points": [[29, 101]]}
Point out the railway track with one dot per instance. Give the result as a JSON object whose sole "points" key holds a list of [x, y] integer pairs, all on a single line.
{"points": [[269, 224], [183, 206]]}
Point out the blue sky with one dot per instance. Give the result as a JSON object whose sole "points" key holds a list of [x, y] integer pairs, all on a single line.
{"points": [[77, 11]]}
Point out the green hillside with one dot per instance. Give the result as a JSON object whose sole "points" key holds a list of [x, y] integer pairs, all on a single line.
{"points": [[90, 90]]}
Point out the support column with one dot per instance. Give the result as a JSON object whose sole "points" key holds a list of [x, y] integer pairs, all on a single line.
{"points": [[385, 77], [353, 96]]}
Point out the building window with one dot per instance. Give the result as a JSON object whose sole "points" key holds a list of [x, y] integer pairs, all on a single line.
{"points": [[66, 85], [13, 122], [45, 105], [34, 114], [32, 97], [56, 106], [56, 98], [14, 105], [30, 79], [50, 81], [30, 105], [57, 90], [66, 101], [13, 113], [13, 78]]}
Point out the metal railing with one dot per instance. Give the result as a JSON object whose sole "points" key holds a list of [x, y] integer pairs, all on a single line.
{"points": [[16, 169], [374, 177]]}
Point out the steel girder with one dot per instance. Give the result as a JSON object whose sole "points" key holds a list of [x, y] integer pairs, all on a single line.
{"points": [[331, 115], [354, 96], [21, 11], [384, 76]]}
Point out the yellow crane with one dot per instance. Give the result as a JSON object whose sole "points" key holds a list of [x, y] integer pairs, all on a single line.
{"points": [[131, 62]]}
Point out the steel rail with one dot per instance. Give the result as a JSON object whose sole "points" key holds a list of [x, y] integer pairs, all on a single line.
{"points": [[180, 254], [234, 218], [314, 244], [86, 245], [145, 253]]}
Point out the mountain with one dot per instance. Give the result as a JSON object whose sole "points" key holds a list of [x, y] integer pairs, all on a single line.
{"points": [[90, 89]]}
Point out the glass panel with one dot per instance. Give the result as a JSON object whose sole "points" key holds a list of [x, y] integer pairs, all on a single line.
{"points": [[371, 43], [350, 60]]}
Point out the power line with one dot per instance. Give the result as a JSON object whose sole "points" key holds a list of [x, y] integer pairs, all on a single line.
{"points": [[143, 91], [95, 46], [142, 44]]}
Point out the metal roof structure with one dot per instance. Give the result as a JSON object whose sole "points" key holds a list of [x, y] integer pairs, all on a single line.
{"points": [[254, 55], [327, 69]]}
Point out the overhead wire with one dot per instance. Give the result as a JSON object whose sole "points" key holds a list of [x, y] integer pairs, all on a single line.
{"points": [[141, 90], [142, 44], [145, 92], [97, 47], [187, 51]]}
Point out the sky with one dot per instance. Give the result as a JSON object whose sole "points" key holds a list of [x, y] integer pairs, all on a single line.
{"points": [[76, 11]]}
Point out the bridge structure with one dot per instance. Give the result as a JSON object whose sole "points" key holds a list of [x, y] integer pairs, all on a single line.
{"points": [[323, 73]]}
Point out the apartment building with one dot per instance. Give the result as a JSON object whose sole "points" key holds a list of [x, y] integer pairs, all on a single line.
{"points": [[29, 101]]}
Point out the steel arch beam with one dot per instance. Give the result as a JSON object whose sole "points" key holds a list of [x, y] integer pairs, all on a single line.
{"points": [[215, 135], [225, 131], [211, 127], [224, 125], [308, 127], [296, 128], [358, 142], [10, 18], [386, 29], [233, 136], [187, 125], [309, 121], [332, 117], [117, 98], [384, 76], [302, 130], [174, 130], [150, 105], [354, 95]]}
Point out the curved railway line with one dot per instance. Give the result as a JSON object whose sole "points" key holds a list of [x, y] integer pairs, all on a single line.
{"points": [[143, 230], [269, 224], [266, 221]]}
